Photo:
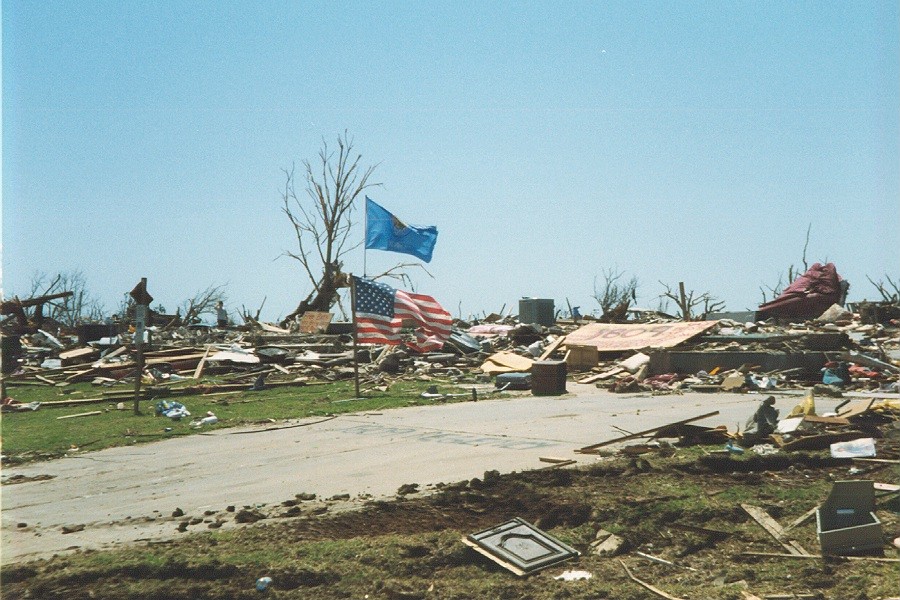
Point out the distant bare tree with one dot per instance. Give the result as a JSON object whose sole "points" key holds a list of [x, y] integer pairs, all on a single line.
{"points": [[687, 302], [81, 306], [784, 280], [615, 296], [203, 302], [890, 291]]}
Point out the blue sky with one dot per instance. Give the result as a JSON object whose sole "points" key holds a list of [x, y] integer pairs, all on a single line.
{"points": [[548, 142]]}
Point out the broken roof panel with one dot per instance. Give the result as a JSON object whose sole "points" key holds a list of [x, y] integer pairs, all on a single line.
{"points": [[608, 337]]}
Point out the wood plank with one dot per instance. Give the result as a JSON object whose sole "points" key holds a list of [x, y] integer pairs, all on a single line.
{"points": [[645, 433], [773, 528], [713, 533], [282, 369], [802, 519], [273, 328], [552, 347], [84, 414], [79, 374], [646, 585], [601, 376], [841, 557], [826, 420], [857, 408], [822, 441], [199, 370]]}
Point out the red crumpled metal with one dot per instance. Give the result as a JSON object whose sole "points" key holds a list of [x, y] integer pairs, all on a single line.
{"points": [[807, 297]]}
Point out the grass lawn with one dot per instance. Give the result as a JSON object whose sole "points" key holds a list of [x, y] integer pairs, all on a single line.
{"points": [[41, 434]]}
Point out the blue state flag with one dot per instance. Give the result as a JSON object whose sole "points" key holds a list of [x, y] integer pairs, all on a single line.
{"points": [[384, 231]]}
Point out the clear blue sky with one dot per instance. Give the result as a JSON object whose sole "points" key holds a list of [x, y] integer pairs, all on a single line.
{"points": [[547, 141]]}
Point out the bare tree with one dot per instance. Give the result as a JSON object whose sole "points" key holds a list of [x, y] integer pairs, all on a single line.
{"points": [[890, 291], [203, 302], [687, 302], [80, 306], [771, 292], [615, 296], [322, 219]]}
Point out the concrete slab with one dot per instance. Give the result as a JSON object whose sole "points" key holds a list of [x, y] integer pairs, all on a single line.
{"points": [[127, 494]]}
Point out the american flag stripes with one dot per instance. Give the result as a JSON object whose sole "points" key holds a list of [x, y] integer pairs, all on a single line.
{"points": [[382, 310]]}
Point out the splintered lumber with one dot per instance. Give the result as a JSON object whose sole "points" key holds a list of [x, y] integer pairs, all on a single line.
{"points": [[857, 408], [826, 420], [647, 432], [802, 519], [646, 585], [601, 376], [663, 561], [821, 441], [552, 347], [45, 372], [713, 533], [554, 459], [282, 369], [555, 463], [773, 528], [72, 356], [80, 374], [202, 363], [84, 414]]}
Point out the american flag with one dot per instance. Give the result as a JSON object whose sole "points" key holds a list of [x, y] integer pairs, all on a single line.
{"points": [[381, 311]]}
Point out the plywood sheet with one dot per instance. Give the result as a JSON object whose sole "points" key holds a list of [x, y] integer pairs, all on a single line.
{"points": [[610, 337]]}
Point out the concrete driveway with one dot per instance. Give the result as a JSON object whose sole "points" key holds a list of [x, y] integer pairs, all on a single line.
{"points": [[128, 494]]}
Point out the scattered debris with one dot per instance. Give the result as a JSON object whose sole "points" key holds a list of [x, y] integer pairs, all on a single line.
{"points": [[774, 529], [520, 547], [846, 522], [574, 576], [607, 544], [646, 585], [84, 414]]}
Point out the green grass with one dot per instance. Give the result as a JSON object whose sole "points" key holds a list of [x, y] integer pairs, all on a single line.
{"points": [[412, 549], [40, 434]]}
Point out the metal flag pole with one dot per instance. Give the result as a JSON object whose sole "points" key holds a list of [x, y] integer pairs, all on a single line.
{"points": [[355, 336], [365, 233]]}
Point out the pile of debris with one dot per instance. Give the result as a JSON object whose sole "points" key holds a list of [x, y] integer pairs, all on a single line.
{"points": [[833, 352]]}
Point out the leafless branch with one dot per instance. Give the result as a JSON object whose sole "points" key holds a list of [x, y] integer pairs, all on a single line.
{"points": [[203, 302], [890, 291], [322, 219], [688, 301], [614, 297]]}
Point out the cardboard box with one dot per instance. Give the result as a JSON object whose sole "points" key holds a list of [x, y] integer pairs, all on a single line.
{"points": [[581, 357]]}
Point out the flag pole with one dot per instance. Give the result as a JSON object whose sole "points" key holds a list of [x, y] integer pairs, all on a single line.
{"points": [[355, 336], [365, 232]]}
